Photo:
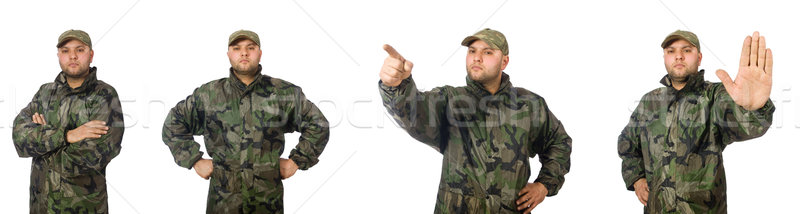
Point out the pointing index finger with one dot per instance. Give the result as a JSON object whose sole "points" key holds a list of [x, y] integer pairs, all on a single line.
{"points": [[392, 52]]}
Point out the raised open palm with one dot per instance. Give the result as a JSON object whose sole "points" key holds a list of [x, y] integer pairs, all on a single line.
{"points": [[753, 83]]}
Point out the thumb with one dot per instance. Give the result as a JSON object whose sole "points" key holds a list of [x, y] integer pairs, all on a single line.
{"points": [[392, 52], [726, 79]]}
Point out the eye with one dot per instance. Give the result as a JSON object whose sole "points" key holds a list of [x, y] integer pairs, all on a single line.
{"points": [[251, 48], [687, 51], [488, 53], [236, 48]]}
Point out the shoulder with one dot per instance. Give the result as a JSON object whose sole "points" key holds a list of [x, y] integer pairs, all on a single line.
{"points": [[104, 88]]}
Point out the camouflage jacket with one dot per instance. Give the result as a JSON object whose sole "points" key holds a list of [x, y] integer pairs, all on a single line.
{"points": [[243, 128], [69, 178], [675, 140], [486, 141]]}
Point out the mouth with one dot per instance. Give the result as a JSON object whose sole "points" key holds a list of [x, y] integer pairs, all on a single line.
{"points": [[244, 61], [73, 65], [679, 66], [476, 68]]}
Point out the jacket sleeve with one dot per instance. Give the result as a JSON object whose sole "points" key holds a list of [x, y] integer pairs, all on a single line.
{"points": [[314, 131], [34, 140], [421, 114], [93, 155], [629, 148], [553, 146], [184, 121], [734, 123]]}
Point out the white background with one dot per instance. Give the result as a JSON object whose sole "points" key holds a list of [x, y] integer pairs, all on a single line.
{"points": [[591, 60]]}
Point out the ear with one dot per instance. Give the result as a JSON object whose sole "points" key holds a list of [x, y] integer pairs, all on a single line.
{"points": [[91, 55], [699, 58], [505, 62]]}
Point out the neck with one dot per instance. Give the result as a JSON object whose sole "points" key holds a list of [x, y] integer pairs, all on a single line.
{"points": [[492, 86], [75, 82], [678, 85], [246, 79]]}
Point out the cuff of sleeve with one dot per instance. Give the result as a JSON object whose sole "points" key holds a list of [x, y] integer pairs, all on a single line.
{"points": [[303, 162], [193, 160], [552, 188], [768, 108], [629, 182]]}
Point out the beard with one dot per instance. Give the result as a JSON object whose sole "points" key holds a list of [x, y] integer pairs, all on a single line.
{"points": [[80, 72], [247, 70], [485, 75], [681, 77]]}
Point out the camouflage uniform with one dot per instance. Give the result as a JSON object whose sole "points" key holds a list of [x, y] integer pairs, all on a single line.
{"points": [[486, 141], [675, 140], [243, 128], [69, 178]]}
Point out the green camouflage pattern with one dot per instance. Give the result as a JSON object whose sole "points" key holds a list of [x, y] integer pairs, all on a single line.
{"points": [[684, 35], [675, 140], [493, 38], [69, 178], [244, 34], [74, 34], [243, 128], [486, 141]]}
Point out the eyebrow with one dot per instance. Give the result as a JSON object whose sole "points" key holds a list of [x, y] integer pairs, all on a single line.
{"points": [[482, 48], [79, 46], [683, 47]]}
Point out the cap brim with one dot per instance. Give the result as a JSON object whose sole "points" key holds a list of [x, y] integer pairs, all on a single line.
{"points": [[67, 39], [469, 40], [672, 38]]}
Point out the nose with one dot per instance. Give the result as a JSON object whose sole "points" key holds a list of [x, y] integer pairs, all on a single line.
{"points": [[477, 57], [73, 55], [679, 56]]}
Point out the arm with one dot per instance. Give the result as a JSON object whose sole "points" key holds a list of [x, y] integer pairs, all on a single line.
{"points": [[183, 122], [630, 150], [742, 110], [93, 154], [32, 139], [311, 123], [421, 114], [735, 123], [550, 141]]}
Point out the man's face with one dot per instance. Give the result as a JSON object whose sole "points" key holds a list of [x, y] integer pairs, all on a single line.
{"points": [[485, 64], [244, 55], [74, 58], [681, 59]]}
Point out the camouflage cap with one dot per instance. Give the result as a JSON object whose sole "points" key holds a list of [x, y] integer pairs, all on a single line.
{"points": [[680, 34], [494, 38], [74, 34], [246, 34]]}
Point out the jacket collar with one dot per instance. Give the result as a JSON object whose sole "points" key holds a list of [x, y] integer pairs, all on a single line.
{"points": [[238, 84], [89, 82], [478, 89], [693, 82]]}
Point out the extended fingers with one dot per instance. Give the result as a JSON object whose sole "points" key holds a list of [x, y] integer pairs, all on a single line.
{"points": [[744, 59], [392, 52], [754, 48], [762, 52], [768, 63]]}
